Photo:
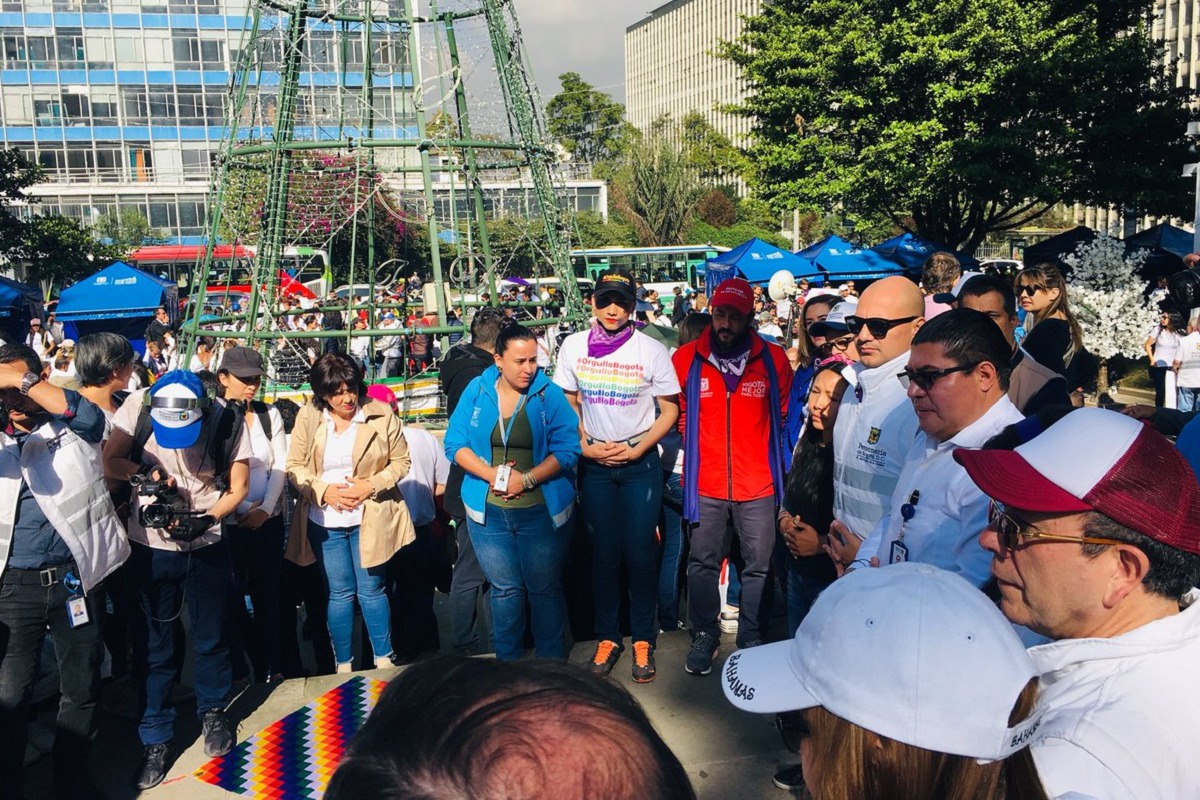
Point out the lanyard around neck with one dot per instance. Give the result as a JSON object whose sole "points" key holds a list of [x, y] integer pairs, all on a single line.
{"points": [[505, 432]]}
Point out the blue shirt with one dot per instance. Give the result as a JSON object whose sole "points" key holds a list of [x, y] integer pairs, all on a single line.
{"points": [[36, 544]]}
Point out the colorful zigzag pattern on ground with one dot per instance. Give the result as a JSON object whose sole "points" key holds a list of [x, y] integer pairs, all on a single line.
{"points": [[295, 757]]}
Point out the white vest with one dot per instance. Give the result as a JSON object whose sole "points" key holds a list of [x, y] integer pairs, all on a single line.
{"points": [[56, 464]]}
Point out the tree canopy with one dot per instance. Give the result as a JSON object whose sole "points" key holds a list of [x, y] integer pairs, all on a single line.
{"points": [[586, 122], [954, 118]]}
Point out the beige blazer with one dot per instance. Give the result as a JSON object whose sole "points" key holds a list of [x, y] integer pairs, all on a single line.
{"points": [[380, 455]]}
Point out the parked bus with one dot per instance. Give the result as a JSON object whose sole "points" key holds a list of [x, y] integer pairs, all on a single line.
{"points": [[231, 265], [660, 268]]}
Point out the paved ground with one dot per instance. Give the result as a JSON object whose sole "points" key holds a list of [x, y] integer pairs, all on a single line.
{"points": [[727, 753]]}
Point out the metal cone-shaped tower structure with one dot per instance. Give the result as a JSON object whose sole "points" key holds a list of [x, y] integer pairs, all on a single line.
{"points": [[365, 130]]}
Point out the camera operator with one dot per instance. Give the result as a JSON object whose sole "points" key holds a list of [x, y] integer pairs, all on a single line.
{"points": [[191, 472], [59, 538]]}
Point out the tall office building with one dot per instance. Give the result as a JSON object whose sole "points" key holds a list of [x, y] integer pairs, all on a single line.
{"points": [[671, 65]]}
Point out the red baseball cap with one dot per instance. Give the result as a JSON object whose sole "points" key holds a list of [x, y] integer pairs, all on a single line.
{"points": [[1097, 460], [735, 293]]}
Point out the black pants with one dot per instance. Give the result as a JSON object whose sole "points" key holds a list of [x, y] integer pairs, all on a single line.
{"points": [[410, 593], [1158, 376], [257, 561], [303, 585], [28, 611]]}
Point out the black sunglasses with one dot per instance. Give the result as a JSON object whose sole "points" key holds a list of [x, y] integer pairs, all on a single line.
{"points": [[793, 729], [611, 298], [1028, 290], [878, 326], [924, 379]]}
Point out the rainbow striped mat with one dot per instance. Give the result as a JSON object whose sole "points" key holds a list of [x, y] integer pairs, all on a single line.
{"points": [[295, 757]]}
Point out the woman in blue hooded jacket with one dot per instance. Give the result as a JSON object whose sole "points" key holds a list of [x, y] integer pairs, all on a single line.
{"points": [[513, 415]]}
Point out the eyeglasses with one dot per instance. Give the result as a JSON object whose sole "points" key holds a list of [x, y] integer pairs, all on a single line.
{"points": [[842, 344], [1028, 290], [793, 729], [878, 326], [924, 379], [1012, 531]]}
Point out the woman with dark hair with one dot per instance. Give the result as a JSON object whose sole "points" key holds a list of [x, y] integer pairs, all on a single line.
{"points": [[104, 363], [1162, 348], [517, 438], [347, 455], [1054, 339], [811, 348]]}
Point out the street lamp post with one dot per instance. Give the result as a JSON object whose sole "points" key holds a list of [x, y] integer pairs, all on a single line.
{"points": [[1193, 171]]}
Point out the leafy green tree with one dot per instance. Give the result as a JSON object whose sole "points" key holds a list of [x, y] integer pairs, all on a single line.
{"points": [[58, 251], [709, 151], [658, 190], [954, 118], [16, 175], [127, 230], [586, 122], [593, 231]]}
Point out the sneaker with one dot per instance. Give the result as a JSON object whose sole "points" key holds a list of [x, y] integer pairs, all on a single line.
{"points": [[607, 653], [789, 779], [643, 662], [154, 765], [700, 658], [218, 735], [729, 619]]}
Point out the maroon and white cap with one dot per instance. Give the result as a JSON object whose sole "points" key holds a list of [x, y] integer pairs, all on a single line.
{"points": [[1097, 460]]}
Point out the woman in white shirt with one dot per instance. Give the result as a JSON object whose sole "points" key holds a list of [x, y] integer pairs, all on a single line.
{"points": [[256, 533], [1162, 348]]}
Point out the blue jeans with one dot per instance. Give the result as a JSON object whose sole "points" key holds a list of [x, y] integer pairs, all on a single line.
{"points": [[164, 580], [670, 528], [1188, 399], [522, 555], [806, 578], [336, 550], [620, 508]]}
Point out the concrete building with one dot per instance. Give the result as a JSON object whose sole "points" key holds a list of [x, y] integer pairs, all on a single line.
{"points": [[671, 66]]}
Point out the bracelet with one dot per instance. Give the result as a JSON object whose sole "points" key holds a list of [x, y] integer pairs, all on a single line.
{"points": [[529, 482]]}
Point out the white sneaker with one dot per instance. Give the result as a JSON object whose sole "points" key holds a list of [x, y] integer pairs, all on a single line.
{"points": [[729, 619]]}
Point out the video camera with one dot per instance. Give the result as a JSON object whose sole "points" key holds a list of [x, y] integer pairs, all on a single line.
{"points": [[169, 511], [1184, 288]]}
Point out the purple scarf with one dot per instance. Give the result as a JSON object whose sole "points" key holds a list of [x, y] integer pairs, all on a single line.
{"points": [[731, 365], [601, 343]]}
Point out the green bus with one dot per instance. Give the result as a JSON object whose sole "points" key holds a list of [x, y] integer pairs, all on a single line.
{"points": [[660, 268]]}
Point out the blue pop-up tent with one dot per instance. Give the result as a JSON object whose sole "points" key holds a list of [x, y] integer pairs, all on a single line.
{"points": [[1167, 245], [841, 260], [19, 303], [911, 251], [117, 299], [756, 261]]}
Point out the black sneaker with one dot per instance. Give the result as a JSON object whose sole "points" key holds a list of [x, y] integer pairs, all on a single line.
{"points": [[643, 662], [154, 765], [790, 779], [605, 658], [700, 658], [218, 734]]}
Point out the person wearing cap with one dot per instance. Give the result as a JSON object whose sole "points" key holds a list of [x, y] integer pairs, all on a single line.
{"points": [[810, 349], [876, 423], [346, 456], [59, 540], [735, 397], [951, 713], [1031, 387], [938, 274], [388, 348], [957, 381], [1094, 533], [615, 377], [188, 434], [256, 532], [40, 340]]}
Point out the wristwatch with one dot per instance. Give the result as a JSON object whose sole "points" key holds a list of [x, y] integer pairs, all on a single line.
{"points": [[28, 380]]}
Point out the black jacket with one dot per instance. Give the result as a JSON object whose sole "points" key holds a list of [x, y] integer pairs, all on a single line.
{"points": [[463, 363]]}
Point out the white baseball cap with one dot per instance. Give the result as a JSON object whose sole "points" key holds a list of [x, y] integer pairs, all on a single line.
{"points": [[835, 320], [910, 652]]}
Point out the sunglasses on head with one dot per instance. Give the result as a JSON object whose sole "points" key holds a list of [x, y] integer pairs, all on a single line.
{"points": [[878, 326], [1028, 289], [924, 379], [1012, 531]]}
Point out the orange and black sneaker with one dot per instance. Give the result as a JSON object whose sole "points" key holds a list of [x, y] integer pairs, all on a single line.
{"points": [[607, 653], [643, 662]]}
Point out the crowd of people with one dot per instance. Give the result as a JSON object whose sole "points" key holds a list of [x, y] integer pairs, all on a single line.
{"points": [[988, 590]]}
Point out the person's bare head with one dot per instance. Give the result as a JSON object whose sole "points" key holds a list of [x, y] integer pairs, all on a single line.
{"points": [[455, 727], [891, 299], [939, 272]]}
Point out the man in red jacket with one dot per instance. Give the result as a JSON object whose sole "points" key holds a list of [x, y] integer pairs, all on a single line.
{"points": [[735, 390]]}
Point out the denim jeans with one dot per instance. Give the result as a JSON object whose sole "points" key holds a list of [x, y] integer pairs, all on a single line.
{"points": [[27, 612], [470, 597], [336, 550], [620, 508], [806, 578], [164, 580], [522, 554], [670, 530], [1188, 398], [254, 631], [710, 542]]}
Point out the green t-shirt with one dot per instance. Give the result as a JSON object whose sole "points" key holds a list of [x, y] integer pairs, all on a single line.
{"points": [[520, 451]]}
